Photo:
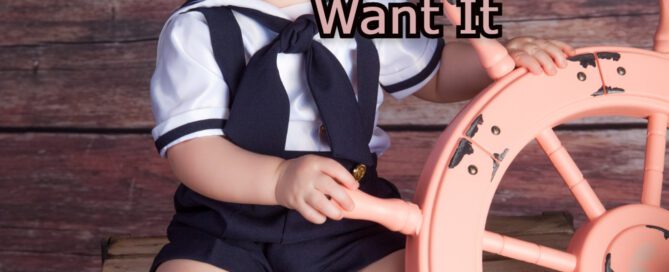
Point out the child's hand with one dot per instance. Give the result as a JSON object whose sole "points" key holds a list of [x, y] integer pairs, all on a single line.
{"points": [[306, 183], [539, 55]]}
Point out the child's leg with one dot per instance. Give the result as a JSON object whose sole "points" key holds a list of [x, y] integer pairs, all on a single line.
{"points": [[192, 250], [391, 263], [180, 265]]}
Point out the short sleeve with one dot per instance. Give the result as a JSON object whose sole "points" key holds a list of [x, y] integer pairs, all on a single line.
{"points": [[188, 93], [407, 64]]}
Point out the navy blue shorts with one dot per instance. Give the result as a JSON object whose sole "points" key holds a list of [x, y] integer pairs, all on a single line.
{"points": [[346, 252], [238, 237]]}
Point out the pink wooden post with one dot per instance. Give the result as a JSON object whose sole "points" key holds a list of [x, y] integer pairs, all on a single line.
{"points": [[662, 34], [492, 54], [572, 176], [528, 252], [656, 144]]}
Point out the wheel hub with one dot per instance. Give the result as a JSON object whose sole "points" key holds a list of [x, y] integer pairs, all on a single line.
{"points": [[628, 238]]}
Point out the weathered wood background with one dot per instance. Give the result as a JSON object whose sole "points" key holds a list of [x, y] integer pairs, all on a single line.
{"points": [[77, 163]]}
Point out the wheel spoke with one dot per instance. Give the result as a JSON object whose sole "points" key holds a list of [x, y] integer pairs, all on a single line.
{"points": [[570, 173], [528, 252], [656, 144]]}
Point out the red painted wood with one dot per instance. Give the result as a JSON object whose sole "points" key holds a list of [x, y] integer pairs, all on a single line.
{"points": [[47, 262]]}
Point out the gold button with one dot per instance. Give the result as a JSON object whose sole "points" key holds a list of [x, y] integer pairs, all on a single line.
{"points": [[322, 131], [323, 134], [359, 171]]}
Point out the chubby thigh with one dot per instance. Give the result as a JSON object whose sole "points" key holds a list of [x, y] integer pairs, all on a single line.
{"points": [[393, 262], [390, 263], [178, 265]]}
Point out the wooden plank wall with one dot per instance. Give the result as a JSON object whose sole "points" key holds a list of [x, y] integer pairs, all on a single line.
{"points": [[77, 162]]}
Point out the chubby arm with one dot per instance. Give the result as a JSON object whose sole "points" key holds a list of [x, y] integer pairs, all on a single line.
{"points": [[461, 75], [218, 169]]}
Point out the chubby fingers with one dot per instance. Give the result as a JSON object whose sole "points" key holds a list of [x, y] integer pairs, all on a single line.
{"points": [[538, 55], [320, 203], [564, 47], [335, 170], [335, 191], [523, 59], [538, 52], [317, 206], [555, 53], [309, 212], [546, 62]]}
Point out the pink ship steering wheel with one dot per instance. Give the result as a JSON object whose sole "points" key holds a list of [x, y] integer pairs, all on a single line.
{"points": [[446, 225]]}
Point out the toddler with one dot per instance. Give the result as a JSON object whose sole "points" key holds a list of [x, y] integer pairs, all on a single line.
{"points": [[265, 123]]}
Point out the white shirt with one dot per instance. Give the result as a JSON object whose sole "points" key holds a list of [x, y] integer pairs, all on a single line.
{"points": [[188, 86]]}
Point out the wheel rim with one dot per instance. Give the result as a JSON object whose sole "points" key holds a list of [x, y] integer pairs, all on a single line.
{"points": [[462, 174]]}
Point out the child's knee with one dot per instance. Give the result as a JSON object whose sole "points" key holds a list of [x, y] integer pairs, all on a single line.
{"points": [[179, 265]]}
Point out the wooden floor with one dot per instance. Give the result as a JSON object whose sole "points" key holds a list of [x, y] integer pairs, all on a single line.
{"points": [[77, 162]]}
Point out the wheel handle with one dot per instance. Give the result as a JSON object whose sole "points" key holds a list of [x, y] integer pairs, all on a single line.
{"points": [[393, 213], [662, 34]]}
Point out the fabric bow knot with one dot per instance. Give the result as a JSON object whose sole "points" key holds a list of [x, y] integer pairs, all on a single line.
{"points": [[298, 36]]}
